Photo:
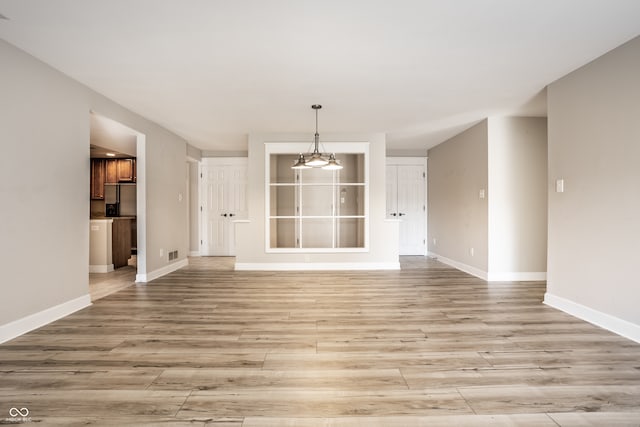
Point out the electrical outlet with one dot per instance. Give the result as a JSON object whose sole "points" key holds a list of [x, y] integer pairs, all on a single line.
{"points": [[472, 251], [435, 241], [161, 252]]}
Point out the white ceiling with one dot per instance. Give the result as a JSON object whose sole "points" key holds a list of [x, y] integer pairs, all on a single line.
{"points": [[109, 136], [419, 70]]}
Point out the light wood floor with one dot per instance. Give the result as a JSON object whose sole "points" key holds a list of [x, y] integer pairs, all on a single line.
{"points": [[424, 346], [104, 284]]}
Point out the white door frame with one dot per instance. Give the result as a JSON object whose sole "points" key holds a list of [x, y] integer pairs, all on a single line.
{"points": [[141, 190], [193, 188]]}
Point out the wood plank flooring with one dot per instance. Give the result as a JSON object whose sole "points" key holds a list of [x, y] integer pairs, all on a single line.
{"points": [[104, 284], [424, 346]]}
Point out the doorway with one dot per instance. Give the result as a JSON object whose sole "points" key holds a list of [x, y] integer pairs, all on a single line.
{"points": [[406, 202], [223, 200], [117, 220]]}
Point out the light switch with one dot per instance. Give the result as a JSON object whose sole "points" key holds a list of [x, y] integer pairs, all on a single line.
{"points": [[481, 194], [559, 185]]}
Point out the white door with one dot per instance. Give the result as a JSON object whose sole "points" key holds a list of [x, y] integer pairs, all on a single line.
{"points": [[236, 203], [411, 209], [223, 201], [406, 202], [392, 191]]}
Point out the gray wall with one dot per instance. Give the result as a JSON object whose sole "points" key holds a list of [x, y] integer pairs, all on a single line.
{"points": [[44, 173], [503, 235], [594, 145], [457, 217], [517, 196]]}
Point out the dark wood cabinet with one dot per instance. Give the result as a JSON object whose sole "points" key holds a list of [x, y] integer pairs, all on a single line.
{"points": [[121, 241], [97, 178], [110, 171], [126, 170], [111, 174]]}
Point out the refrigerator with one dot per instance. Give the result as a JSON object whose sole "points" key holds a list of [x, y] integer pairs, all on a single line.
{"points": [[120, 199]]}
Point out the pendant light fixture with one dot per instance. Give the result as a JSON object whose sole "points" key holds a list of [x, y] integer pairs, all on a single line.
{"points": [[316, 159]]}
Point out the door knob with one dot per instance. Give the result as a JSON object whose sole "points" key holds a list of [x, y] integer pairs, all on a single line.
{"points": [[393, 214], [401, 214], [232, 214], [223, 214]]}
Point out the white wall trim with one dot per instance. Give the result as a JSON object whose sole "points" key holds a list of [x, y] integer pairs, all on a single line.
{"points": [[144, 278], [614, 324], [194, 253], [300, 266], [101, 268], [528, 276], [461, 266], [18, 327], [516, 276]]}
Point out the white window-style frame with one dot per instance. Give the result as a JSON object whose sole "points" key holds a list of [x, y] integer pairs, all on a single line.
{"points": [[294, 148]]}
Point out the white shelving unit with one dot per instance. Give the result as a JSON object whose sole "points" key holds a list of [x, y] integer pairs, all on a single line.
{"points": [[316, 210]]}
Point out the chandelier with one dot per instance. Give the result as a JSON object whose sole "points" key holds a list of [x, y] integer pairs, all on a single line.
{"points": [[316, 159]]}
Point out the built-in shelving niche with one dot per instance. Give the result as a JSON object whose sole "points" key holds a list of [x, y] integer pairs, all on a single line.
{"points": [[317, 210]]}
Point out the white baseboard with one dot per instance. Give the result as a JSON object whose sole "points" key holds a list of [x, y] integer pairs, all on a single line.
{"points": [[147, 277], [195, 253], [301, 266], [460, 266], [492, 277], [101, 268], [614, 324], [529, 276], [18, 327]]}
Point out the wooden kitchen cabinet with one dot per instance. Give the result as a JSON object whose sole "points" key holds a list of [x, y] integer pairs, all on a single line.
{"points": [[126, 170], [121, 241], [111, 171], [97, 178]]}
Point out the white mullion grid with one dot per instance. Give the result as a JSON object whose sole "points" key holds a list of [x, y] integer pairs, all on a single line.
{"points": [[298, 221], [335, 217], [317, 184], [336, 209]]}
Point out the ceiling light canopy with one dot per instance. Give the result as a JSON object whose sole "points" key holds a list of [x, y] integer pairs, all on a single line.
{"points": [[316, 159]]}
